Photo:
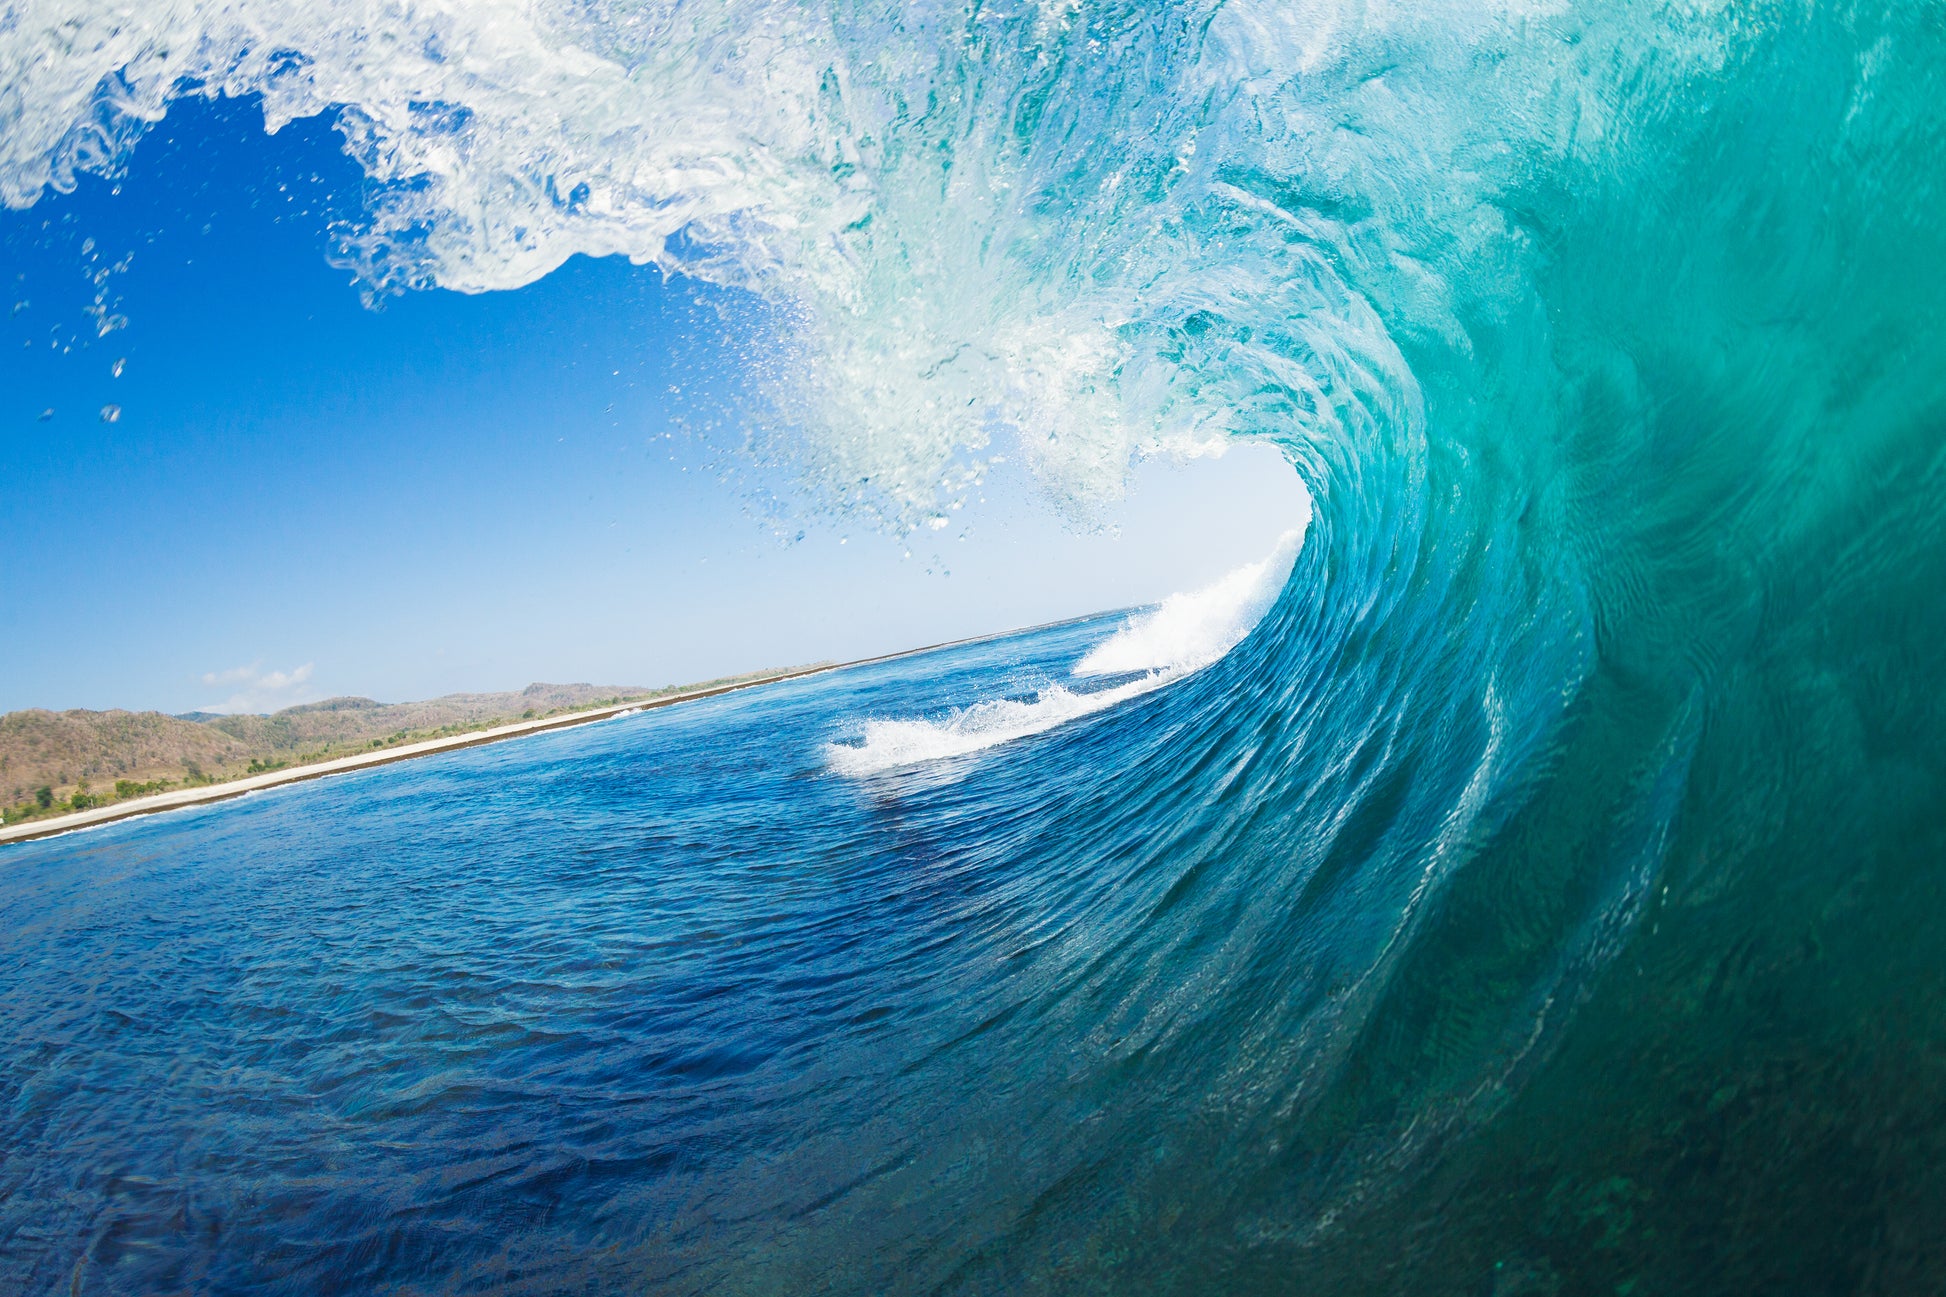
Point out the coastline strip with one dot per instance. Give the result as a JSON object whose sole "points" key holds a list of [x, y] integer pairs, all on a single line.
{"points": [[182, 797]]}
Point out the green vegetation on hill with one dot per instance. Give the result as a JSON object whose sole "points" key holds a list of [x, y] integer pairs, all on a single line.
{"points": [[52, 763]]}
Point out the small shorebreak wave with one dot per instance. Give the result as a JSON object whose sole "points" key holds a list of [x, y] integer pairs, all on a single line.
{"points": [[1157, 646]]}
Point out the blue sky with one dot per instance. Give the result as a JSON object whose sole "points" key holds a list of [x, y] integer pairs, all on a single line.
{"points": [[257, 491]]}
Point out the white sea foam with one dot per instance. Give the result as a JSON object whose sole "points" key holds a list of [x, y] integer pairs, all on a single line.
{"points": [[1183, 634], [1054, 250], [1098, 231], [891, 744], [1188, 631]]}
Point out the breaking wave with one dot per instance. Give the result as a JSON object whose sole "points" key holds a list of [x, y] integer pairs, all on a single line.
{"points": [[1545, 896], [1185, 633], [1188, 631]]}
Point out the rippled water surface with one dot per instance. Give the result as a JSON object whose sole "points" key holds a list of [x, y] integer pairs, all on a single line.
{"points": [[1546, 898], [566, 1010]]}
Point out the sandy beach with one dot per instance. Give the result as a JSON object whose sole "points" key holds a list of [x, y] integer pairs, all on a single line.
{"points": [[181, 797], [176, 799]]}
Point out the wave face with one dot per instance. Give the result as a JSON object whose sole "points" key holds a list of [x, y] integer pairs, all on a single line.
{"points": [[1546, 896]]}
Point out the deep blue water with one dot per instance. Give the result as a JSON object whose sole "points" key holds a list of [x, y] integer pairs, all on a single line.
{"points": [[642, 1004], [1549, 897]]}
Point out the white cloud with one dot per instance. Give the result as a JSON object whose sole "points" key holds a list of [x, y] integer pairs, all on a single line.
{"points": [[257, 690]]}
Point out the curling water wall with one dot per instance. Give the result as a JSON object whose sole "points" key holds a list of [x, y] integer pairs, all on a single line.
{"points": [[1545, 896]]}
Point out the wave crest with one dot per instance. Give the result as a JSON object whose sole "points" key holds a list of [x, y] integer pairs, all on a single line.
{"points": [[1188, 631], [955, 234], [1158, 646]]}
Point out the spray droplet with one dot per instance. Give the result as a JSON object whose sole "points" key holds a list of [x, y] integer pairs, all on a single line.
{"points": [[116, 370], [110, 413], [47, 414], [20, 306]]}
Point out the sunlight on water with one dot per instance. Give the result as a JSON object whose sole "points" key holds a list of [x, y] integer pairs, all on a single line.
{"points": [[1543, 897]]}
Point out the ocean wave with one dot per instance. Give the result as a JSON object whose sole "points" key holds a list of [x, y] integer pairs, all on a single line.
{"points": [[1188, 631], [892, 744], [1184, 633], [919, 296], [1545, 896]]}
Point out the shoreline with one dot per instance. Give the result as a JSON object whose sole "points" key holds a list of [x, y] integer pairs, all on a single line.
{"points": [[76, 821]]}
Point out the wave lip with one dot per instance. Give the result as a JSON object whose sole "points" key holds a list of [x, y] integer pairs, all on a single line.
{"points": [[1181, 635]]}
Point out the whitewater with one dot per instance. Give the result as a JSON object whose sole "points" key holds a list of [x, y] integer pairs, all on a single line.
{"points": [[1184, 633], [1526, 882]]}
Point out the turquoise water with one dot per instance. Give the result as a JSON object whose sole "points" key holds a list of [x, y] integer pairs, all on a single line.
{"points": [[1545, 898]]}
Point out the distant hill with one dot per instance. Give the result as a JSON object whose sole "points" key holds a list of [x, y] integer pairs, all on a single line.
{"points": [[58, 761]]}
